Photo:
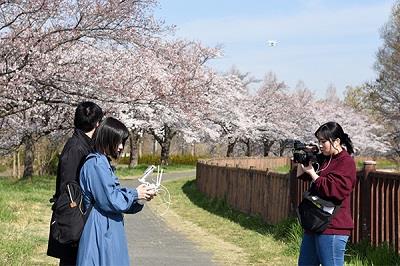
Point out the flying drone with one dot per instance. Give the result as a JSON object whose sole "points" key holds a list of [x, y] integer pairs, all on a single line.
{"points": [[272, 43]]}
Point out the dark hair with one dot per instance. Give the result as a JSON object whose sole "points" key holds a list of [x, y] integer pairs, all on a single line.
{"points": [[331, 131], [87, 114], [109, 135]]}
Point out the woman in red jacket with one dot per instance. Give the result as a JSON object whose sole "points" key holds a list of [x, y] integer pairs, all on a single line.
{"points": [[333, 181]]}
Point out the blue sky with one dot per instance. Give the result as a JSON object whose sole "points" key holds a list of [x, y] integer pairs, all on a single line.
{"points": [[319, 42]]}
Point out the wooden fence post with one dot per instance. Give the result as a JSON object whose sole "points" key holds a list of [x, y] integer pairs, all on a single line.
{"points": [[293, 188], [365, 187]]}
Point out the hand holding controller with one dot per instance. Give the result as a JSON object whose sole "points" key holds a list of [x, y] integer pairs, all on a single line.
{"points": [[152, 187]]}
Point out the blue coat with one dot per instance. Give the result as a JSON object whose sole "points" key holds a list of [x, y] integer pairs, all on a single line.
{"points": [[103, 240]]}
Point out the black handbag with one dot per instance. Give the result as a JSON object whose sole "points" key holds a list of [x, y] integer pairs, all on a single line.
{"points": [[312, 213], [68, 217]]}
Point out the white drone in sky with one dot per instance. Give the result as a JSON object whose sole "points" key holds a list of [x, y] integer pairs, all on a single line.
{"points": [[272, 43]]}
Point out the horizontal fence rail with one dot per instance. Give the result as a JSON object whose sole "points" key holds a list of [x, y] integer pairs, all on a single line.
{"points": [[374, 201]]}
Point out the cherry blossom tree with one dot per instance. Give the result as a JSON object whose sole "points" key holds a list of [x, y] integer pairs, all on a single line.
{"points": [[26, 127], [56, 53], [383, 95], [226, 111], [36, 36], [302, 112], [273, 109], [181, 83], [366, 135]]}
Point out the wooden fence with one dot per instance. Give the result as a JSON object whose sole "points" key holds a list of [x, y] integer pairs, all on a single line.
{"points": [[248, 190], [259, 163], [375, 202]]}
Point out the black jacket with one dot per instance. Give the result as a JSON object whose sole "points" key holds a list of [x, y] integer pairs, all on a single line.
{"points": [[70, 162]]}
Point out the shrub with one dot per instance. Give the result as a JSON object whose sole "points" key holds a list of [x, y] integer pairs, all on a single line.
{"points": [[156, 159], [149, 159], [184, 159], [50, 168], [123, 160]]}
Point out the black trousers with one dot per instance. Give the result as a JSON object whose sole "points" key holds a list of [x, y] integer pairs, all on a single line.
{"points": [[67, 262]]}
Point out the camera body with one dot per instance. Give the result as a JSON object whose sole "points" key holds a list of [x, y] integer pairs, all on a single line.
{"points": [[304, 153]]}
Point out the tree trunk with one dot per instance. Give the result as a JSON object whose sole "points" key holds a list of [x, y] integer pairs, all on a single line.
{"points": [[154, 146], [39, 163], [183, 148], [140, 151], [231, 145], [165, 146], [133, 144], [29, 156], [267, 146], [282, 146], [247, 142], [165, 142], [193, 152], [18, 164], [14, 171]]}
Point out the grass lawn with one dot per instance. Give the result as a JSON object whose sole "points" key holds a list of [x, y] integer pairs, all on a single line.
{"points": [[382, 163], [24, 221], [123, 171]]}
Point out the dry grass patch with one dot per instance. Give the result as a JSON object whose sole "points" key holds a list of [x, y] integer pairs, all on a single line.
{"points": [[224, 253]]}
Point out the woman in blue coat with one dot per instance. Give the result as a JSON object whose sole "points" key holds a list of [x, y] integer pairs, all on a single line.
{"points": [[103, 240]]}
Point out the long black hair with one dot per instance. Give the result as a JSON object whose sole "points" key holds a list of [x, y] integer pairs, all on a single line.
{"points": [[331, 131], [109, 135]]}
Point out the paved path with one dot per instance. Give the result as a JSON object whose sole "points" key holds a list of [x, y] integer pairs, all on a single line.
{"points": [[151, 242]]}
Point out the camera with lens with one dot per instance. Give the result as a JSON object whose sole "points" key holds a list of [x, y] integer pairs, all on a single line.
{"points": [[304, 153]]}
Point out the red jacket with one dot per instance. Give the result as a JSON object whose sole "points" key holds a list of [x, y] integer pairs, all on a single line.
{"points": [[335, 183]]}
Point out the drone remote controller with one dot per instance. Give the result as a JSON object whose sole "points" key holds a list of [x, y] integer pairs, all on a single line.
{"points": [[155, 185]]}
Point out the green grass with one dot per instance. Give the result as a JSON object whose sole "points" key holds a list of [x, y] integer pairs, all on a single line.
{"points": [[364, 254], [125, 171], [24, 218], [262, 243], [291, 233], [381, 164], [387, 164], [281, 169]]}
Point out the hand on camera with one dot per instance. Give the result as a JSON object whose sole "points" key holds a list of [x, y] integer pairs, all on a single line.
{"points": [[309, 169]]}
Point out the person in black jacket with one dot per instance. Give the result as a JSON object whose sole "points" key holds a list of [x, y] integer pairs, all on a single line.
{"points": [[88, 116]]}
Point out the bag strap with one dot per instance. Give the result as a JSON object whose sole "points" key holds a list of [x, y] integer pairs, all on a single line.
{"points": [[87, 212], [54, 198], [90, 156]]}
